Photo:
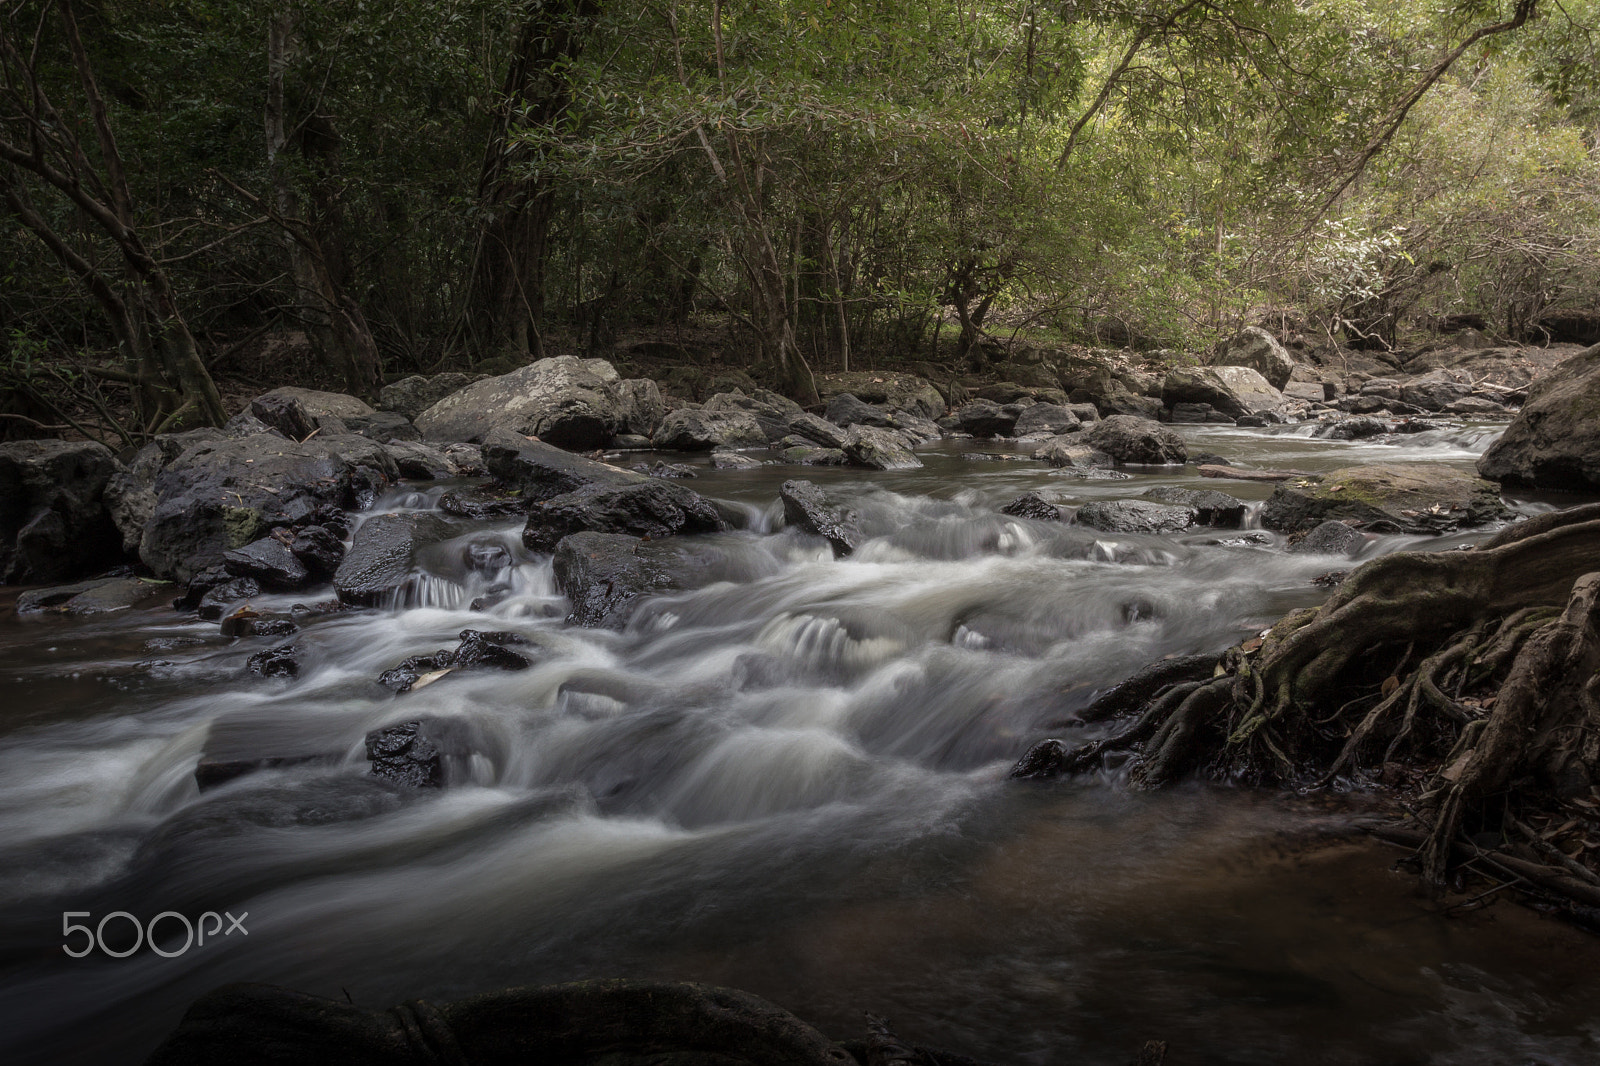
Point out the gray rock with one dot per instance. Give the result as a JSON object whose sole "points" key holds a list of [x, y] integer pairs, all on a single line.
{"points": [[540, 471], [1212, 508], [219, 495], [1386, 497], [694, 429], [269, 562], [1554, 442], [1259, 350], [1136, 440], [771, 411], [1233, 390], [222, 598], [411, 396], [1070, 450], [808, 508], [384, 554], [846, 410], [425, 462], [1044, 419], [650, 508], [816, 430], [566, 401], [1032, 505], [1133, 516], [1476, 407], [878, 449], [896, 392], [383, 426], [723, 459], [322, 404], [604, 575], [1351, 429], [91, 597], [1436, 390], [985, 418], [812, 456], [1329, 538], [640, 407], [54, 520], [282, 411]]}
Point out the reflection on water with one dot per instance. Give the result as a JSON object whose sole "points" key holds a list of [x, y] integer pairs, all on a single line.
{"points": [[790, 779]]}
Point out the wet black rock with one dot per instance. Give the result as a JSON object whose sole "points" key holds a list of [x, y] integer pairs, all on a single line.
{"points": [[319, 549], [1134, 516], [55, 524], [605, 574], [808, 508], [219, 599], [383, 555], [1332, 537], [404, 675], [489, 650], [407, 754], [1212, 508], [269, 562], [985, 418], [486, 555], [221, 495], [539, 471], [282, 661], [246, 622], [846, 410], [648, 508], [1032, 505], [1352, 429], [385, 427]]}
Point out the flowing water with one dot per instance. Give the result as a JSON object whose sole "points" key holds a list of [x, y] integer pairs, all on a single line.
{"points": [[791, 780]]}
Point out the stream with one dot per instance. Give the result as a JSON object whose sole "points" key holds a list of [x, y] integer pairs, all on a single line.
{"points": [[791, 781]]}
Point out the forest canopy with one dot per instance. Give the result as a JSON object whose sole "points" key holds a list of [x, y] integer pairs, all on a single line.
{"points": [[410, 186]]}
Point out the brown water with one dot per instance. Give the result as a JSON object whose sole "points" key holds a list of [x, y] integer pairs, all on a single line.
{"points": [[790, 781]]}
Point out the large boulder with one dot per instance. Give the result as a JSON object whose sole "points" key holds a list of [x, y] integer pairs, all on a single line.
{"points": [[898, 392], [413, 395], [878, 449], [696, 429], [1044, 419], [54, 522], [641, 407], [985, 418], [1386, 497], [131, 490], [540, 471], [1554, 442], [771, 411], [1233, 390], [808, 508], [383, 555], [1437, 389], [1128, 439], [605, 574], [846, 409], [653, 508], [222, 494], [1259, 350], [318, 404], [569, 402], [1212, 508], [817, 430]]}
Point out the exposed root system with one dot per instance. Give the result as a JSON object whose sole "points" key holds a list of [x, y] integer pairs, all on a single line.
{"points": [[1470, 679]]}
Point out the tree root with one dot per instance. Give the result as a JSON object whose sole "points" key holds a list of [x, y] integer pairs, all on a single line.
{"points": [[1481, 668]]}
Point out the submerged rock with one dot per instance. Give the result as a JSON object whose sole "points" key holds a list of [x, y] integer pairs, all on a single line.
{"points": [[407, 754], [1391, 497], [807, 507], [282, 661], [1332, 537]]}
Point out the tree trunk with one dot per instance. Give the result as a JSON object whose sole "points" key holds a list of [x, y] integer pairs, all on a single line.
{"points": [[507, 298]]}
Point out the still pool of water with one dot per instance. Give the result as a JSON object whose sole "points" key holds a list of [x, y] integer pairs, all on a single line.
{"points": [[791, 780]]}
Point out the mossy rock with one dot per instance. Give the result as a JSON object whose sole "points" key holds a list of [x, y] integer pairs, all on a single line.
{"points": [[1424, 498]]}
